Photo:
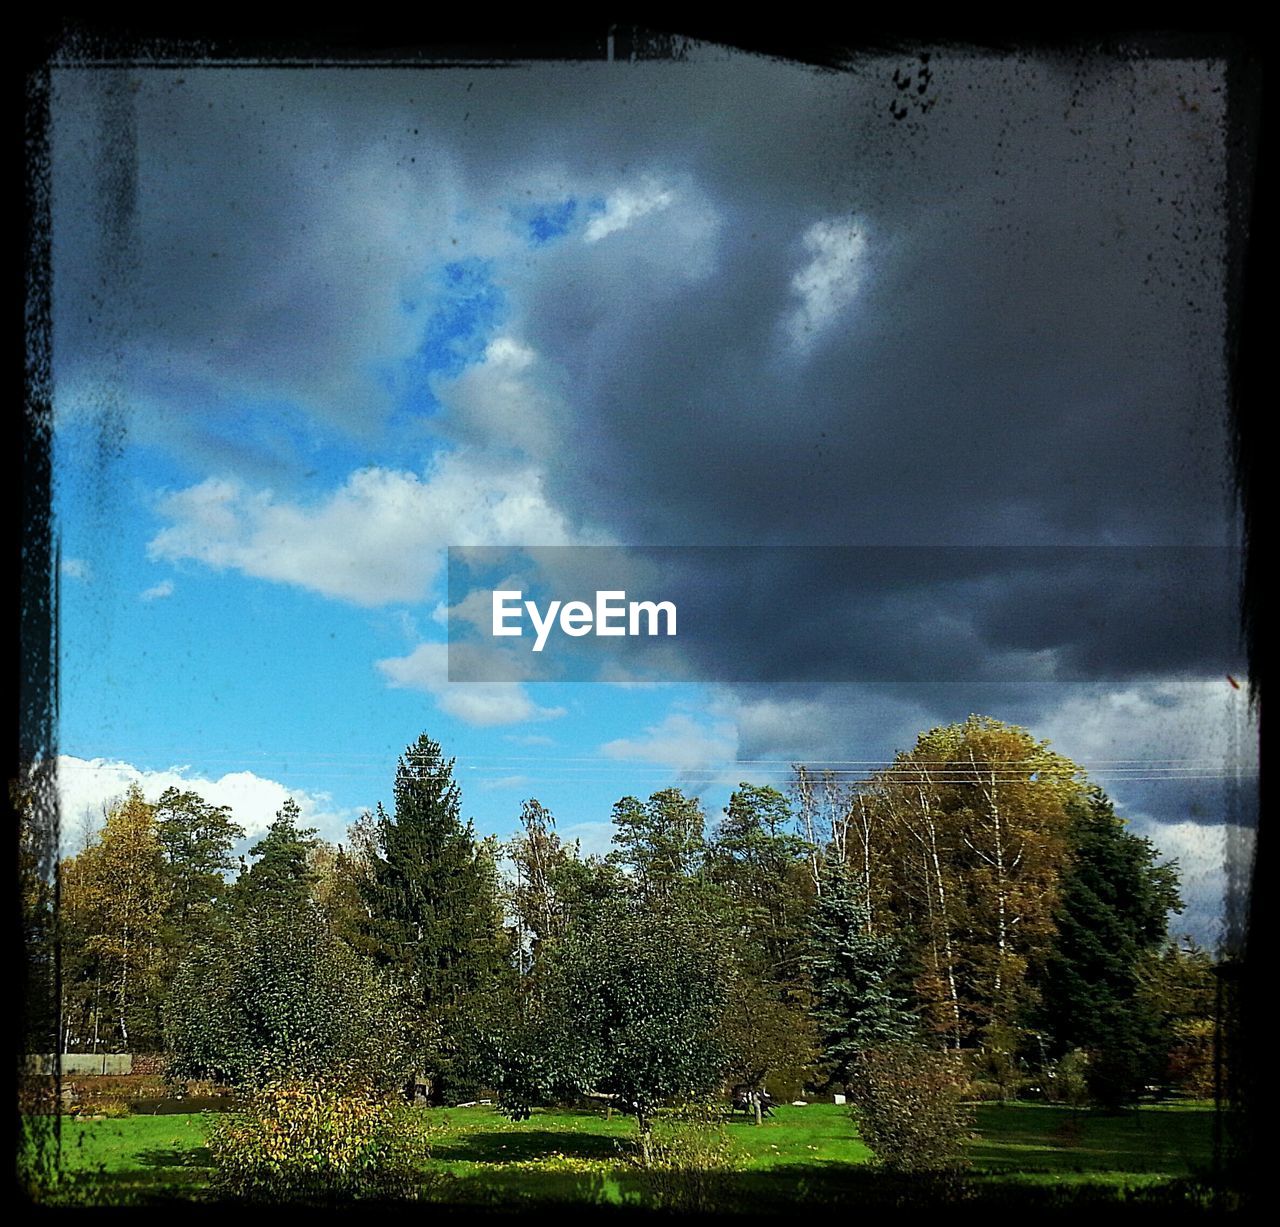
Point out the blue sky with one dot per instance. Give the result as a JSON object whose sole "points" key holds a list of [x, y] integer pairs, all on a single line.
{"points": [[345, 320]]}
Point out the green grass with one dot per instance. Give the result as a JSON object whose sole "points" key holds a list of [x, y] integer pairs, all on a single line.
{"points": [[134, 1157], [1040, 1143], [801, 1152]]}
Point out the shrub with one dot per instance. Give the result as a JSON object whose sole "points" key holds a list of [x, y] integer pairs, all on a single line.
{"points": [[689, 1163], [320, 1144], [908, 1103], [1066, 1082]]}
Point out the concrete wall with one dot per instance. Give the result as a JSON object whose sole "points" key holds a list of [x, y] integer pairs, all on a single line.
{"points": [[83, 1063]]}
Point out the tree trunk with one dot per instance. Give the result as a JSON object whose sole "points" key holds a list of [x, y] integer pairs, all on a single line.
{"points": [[646, 1138]]}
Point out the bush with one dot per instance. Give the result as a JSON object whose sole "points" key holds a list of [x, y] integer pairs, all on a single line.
{"points": [[997, 1072], [1066, 1081], [690, 1162], [908, 1104], [319, 1144]]}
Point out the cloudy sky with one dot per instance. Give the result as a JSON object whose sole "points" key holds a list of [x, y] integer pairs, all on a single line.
{"points": [[311, 328]]}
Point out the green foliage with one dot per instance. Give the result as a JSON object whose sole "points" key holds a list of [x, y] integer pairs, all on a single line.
{"points": [[860, 1000], [1179, 984], [278, 995], [770, 1040], [1115, 899], [435, 922], [997, 1070], [280, 876], [909, 1107], [313, 1143], [660, 841], [196, 839], [1066, 1081], [113, 899], [761, 868], [628, 1006]]}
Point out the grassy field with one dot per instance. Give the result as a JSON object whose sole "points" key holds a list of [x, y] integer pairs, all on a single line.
{"points": [[802, 1152]]}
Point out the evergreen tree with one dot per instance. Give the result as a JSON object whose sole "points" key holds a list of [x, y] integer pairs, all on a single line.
{"points": [[281, 874], [1113, 911], [432, 898], [859, 998]]}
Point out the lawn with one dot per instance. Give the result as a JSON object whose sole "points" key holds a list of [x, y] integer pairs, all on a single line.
{"points": [[801, 1152]]}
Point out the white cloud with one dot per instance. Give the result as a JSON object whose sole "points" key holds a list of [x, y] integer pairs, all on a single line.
{"points": [[157, 593], [379, 538], [624, 206], [76, 568], [594, 837], [506, 401], [85, 785], [1198, 734], [679, 742], [506, 781], [1201, 850], [482, 704], [827, 284]]}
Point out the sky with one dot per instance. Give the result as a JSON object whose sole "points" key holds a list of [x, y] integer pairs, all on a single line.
{"points": [[311, 328]]}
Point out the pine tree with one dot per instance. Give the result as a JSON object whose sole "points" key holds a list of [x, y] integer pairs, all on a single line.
{"points": [[432, 898], [281, 874], [859, 1000], [660, 841]]}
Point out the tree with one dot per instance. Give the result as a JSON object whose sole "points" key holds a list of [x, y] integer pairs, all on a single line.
{"points": [[630, 1003], [975, 834], [278, 996], [760, 866], [1113, 909], [660, 841], [546, 881], [113, 898], [281, 875], [336, 875], [431, 891], [196, 839], [770, 1041], [1179, 985], [909, 1107], [859, 985]]}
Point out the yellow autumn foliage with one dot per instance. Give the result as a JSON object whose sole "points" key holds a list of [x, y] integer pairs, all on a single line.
{"points": [[311, 1142]]}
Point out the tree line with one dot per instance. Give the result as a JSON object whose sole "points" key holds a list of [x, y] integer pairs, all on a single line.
{"points": [[976, 897]]}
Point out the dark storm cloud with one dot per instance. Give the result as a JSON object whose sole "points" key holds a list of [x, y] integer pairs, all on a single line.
{"points": [[1030, 352], [857, 614], [1030, 356]]}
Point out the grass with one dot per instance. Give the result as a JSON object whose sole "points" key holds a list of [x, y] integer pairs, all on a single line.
{"points": [[801, 1152], [1040, 1143]]}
